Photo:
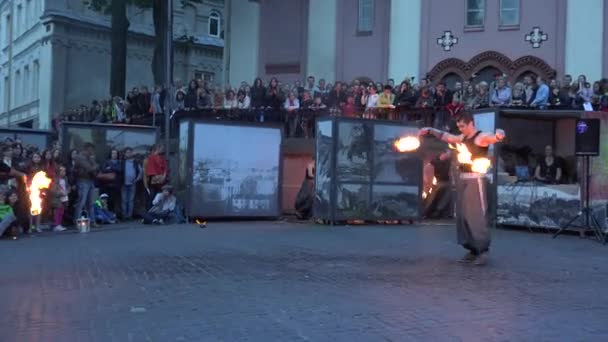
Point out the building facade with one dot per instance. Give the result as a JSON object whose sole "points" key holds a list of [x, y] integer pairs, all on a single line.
{"points": [[55, 54], [443, 39]]}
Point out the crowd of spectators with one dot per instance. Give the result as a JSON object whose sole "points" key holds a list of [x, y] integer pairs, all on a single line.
{"points": [[103, 190], [299, 102]]}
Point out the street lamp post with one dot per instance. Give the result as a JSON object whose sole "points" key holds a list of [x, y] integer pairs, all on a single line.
{"points": [[169, 74]]}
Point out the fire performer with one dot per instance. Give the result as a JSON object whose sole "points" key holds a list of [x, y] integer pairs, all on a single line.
{"points": [[471, 204]]}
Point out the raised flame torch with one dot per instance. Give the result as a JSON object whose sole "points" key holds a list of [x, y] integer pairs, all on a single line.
{"points": [[479, 165], [407, 144], [39, 182]]}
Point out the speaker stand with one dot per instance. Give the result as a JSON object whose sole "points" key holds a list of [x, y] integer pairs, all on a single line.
{"points": [[586, 212]]}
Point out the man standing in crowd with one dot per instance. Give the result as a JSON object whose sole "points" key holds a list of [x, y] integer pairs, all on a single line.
{"points": [[85, 168], [471, 206], [132, 173]]}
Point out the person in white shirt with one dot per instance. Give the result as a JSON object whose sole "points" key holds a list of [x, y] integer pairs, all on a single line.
{"points": [[243, 100], [292, 106], [230, 100]]}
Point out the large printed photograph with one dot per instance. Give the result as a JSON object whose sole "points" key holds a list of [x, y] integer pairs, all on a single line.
{"points": [[235, 171]]}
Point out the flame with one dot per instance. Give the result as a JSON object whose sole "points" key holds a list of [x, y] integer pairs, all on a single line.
{"points": [[479, 165], [434, 181], [39, 182], [424, 195], [407, 144]]}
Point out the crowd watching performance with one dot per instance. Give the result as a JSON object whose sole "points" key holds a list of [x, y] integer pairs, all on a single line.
{"points": [[105, 189]]}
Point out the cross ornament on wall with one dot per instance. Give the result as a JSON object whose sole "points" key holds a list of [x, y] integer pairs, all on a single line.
{"points": [[447, 40], [536, 37]]}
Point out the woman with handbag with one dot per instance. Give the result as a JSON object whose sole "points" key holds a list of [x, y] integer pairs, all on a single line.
{"points": [[156, 172]]}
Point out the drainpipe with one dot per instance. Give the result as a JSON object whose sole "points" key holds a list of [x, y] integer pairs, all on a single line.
{"points": [[10, 64]]}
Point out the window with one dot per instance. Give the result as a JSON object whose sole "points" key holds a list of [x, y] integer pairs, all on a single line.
{"points": [[16, 98], [476, 12], [365, 19], [509, 12], [36, 80], [7, 31], [7, 87], [28, 13], [27, 94], [19, 23], [214, 24]]}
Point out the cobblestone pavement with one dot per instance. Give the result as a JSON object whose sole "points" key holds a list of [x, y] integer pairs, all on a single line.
{"points": [[277, 281]]}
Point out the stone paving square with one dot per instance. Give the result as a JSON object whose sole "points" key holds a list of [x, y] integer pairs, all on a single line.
{"points": [[277, 281]]}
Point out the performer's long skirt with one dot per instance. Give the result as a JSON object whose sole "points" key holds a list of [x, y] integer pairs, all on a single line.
{"points": [[471, 209]]}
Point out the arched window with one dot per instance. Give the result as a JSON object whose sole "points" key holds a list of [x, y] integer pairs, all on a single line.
{"points": [[214, 24], [451, 79]]}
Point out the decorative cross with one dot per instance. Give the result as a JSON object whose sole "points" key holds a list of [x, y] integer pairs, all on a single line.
{"points": [[447, 40], [536, 37]]}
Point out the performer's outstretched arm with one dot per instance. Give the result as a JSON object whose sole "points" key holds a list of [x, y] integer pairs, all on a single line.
{"points": [[487, 139], [441, 135]]}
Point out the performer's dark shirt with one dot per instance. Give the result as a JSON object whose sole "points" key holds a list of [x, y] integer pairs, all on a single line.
{"points": [[549, 172], [442, 169], [476, 151], [4, 168]]}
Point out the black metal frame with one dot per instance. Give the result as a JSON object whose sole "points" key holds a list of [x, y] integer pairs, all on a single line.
{"points": [[66, 126], [500, 114], [192, 120], [332, 215], [16, 131], [590, 221]]}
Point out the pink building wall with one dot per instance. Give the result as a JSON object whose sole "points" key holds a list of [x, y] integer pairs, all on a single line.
{"points": [[362, 55], [449, 15], [283, 39]]}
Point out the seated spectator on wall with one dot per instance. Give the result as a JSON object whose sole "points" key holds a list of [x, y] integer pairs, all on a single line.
{"points": [[425, 100], [501, 95], [180, 99], [163, 207], [406, 97], [482, 99], [387, 98], [258, 94], [530, 88], [519, 96], [454, 109], [442, 96], [549, 169], [336, 97], [243, 100], [190, 101], [542, 95], [583, 92], [230, 101], [350, 109], [292, 105], [468, 97]]}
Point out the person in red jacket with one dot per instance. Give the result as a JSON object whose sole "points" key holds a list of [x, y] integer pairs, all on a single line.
{"points": [[155, 168]]}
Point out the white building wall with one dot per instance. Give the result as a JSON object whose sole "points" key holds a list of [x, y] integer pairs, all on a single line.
{"points": [[72, 66], [243, 51], [404, 40], [321, 59], [584, 35]]}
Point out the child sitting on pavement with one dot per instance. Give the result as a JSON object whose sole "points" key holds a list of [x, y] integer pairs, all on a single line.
{"points": [[103, 215]]}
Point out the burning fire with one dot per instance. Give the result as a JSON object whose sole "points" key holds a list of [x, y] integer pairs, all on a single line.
{"points": [[479, 165], [425, 194], [39, 182], [407, 144]]}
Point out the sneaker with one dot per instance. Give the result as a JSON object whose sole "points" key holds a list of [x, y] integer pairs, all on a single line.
{"points": [[38, 229], [481, 260], [59, 228], [469, 257]]}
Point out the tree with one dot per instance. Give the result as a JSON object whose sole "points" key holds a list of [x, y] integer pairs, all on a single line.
{"points": [[120, 27]]}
